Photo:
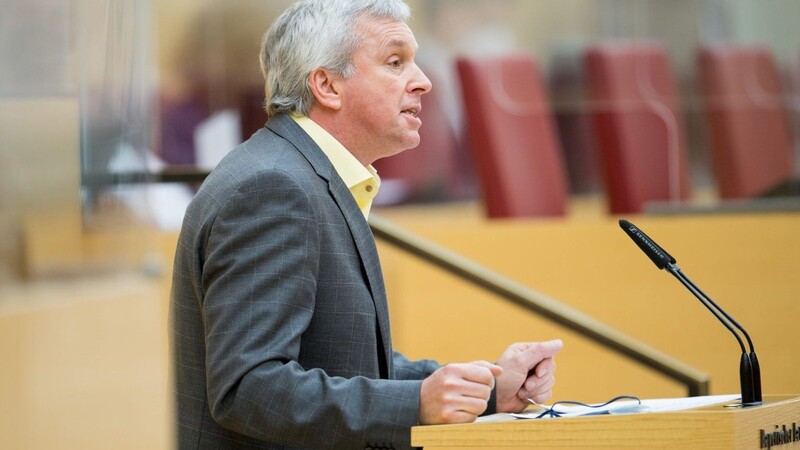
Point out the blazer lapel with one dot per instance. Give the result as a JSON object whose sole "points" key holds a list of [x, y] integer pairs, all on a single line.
{"points": [[365, 242], [359, 228]]}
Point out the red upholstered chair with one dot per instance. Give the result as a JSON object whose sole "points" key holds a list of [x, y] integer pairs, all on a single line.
{"points": [[636, 123], [517, 154], [251, 110], [751, 143]]}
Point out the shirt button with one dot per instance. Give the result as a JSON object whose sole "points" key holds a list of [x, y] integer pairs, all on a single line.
{"points": [[369, 188]]}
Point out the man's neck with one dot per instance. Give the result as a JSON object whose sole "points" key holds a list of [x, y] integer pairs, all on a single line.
{"points": [[330, 123]]}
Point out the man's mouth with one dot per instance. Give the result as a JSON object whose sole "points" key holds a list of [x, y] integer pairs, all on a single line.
{"points": [[412, 111]]}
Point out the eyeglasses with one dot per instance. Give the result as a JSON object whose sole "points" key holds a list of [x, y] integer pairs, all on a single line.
{"points": [[577, 408]]}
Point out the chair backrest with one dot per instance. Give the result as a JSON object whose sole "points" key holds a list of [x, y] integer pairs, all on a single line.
{"points": [[513, 138], [749, 132], [636, 124], [251, 110]]}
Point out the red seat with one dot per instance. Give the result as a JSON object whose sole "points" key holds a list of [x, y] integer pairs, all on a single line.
{"points": [[517, 154], [751, 142], [251, 110], [636, 125]]}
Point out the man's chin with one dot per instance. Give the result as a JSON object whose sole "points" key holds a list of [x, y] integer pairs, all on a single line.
{"points": [[412, 141], [400, 150], [409, 147]]}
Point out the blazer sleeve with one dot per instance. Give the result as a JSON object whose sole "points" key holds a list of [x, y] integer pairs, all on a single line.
{"points": [[413, 370], [259, 282]]}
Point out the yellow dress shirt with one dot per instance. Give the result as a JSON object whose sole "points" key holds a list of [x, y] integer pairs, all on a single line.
{"points": [[363, 182]]}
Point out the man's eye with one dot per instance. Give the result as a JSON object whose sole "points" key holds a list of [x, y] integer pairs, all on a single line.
{"points": [[394, 62]]}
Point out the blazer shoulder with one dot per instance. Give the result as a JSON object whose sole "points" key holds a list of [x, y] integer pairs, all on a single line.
{"points": [[265, 151]]}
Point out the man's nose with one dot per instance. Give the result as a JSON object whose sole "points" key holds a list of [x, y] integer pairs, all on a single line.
{"points": [[420, 81]]}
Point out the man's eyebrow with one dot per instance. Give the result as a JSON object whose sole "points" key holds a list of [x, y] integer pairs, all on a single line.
{"points": [[393, 43]]}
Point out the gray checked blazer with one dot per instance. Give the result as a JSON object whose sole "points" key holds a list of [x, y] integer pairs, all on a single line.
{"points": [[280, 327]]}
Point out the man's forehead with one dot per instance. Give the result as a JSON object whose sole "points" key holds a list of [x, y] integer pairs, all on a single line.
{"points": [[388, 33]]}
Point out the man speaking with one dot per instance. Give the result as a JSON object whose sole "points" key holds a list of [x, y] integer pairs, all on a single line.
{"points": [[280, 326]]}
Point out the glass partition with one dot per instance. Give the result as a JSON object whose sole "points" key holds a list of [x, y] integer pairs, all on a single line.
{"points": [[116, 80]]}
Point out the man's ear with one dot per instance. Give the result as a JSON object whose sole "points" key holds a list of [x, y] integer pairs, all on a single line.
{"points": [[325, 89]]}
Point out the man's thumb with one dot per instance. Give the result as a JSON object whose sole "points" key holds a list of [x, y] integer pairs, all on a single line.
{"points": [[494, 368]]}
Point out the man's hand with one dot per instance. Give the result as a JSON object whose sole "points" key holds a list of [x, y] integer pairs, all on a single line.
{"points": [[457, 393], [528, 369]]}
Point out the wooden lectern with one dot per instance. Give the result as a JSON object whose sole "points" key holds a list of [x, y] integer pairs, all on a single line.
{"points": [[773, 425]]}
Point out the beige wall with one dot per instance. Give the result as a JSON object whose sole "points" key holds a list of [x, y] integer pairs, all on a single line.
{"points": [[85, 365], [747, 264]]}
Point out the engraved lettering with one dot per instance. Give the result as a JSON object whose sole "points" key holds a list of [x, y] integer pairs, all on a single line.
{"points": [[781, 435]]}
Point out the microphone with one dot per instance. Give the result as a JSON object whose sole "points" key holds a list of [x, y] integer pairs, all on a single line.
{"points": [[749, 369]]}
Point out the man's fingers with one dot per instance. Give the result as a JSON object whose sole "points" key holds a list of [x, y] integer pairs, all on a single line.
{"points": [[480, 372], [545, 367], [493, 368], [470, 405], [542, 396], [539, 373], [527, 355], [459, 417], [542, 350], [546, 385], [469, 380], [456, 393]]}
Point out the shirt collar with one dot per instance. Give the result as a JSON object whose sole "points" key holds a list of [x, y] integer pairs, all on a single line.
{"points": [[363, 182]]}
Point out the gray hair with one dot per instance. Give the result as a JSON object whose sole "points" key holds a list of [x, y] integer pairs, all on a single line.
{"points": [[311, 34]]}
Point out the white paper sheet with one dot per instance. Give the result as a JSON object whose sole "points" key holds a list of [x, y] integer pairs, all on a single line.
{"points": [[632, 406]]}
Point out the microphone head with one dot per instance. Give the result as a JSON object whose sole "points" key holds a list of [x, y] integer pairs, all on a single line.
{"points": [[653, 251]]}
